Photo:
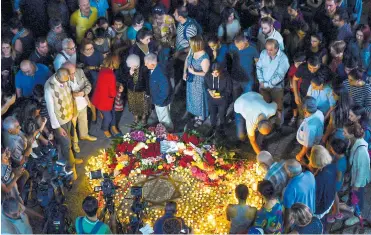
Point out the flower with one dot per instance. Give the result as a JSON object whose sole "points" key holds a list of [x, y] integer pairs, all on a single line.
{"points": [[160, 167], [193, 139], [170, 158], [138, 136], [210, 160]]}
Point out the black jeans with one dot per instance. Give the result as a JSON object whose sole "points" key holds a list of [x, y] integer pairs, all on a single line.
{"points": [[217, 106], [65, 145], [118, 115]]}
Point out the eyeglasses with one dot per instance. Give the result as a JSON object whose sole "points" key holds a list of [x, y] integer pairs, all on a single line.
{"points": [[89, 49], [72, 48]]}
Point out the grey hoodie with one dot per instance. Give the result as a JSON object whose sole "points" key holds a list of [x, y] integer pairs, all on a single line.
{"points": [[359, 161]]}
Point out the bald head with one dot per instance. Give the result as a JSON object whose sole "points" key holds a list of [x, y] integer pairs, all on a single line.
{"points": [[28, 68], [293, 168], [62, 75], [265, 127], [84, 7], [264, 157], [71, 68]]}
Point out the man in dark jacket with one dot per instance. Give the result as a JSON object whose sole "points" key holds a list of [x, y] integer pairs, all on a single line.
{"points": [[160, 89]]}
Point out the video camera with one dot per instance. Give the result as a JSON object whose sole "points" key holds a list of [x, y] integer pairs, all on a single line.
{"points": [[106, 186], [137, 207]]}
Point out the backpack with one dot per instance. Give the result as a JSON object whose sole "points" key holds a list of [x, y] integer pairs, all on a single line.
{"points": [[189, 22], [58, 221]]}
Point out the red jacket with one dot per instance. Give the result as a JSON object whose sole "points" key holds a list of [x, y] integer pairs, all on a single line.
{"points": [[105, 90]]}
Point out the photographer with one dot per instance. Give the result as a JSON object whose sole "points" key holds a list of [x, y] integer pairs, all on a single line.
{"points": [[9, 177], [14, 219], [20, 150], [169, 223], [90, 223]]}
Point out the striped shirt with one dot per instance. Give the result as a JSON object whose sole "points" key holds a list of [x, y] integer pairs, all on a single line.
{"points": [[277, 176], [119, 104], [360, 95], [181, 41]]}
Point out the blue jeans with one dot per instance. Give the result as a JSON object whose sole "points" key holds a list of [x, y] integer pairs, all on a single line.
{"points": [[109, 119], [240, 126], [238, 86]]}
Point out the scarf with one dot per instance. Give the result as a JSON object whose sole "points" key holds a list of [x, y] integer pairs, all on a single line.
{"points": [[18, 35]]}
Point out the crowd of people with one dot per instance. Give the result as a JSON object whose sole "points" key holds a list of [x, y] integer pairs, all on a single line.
{"points": [[257, 65]]}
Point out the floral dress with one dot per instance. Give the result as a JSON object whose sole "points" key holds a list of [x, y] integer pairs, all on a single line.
{"points": [[196, 91], [270, 220]]}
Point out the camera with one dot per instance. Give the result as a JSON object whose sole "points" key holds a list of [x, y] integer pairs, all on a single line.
{"points": [[106, 186]]}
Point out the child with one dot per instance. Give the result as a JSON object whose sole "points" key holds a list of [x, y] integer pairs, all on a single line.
{"points": [[119, 104], [299, 58], [338, 148]]}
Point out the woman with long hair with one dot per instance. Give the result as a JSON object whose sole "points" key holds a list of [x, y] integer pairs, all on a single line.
{"points": [[302, 220], [317, 47], [7, 63], [360, 47], [195, 68], [295, 17], [339, 116], [22, 41], [105, 94], [229, 27], [359, 160]]}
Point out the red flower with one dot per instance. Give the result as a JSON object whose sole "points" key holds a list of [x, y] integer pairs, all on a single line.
{"points": [[226, 167], [147, 172], [125, 147], [193, 139], [185, 137], [152, 151], [210, 159], [185, 160], [112, 166]]}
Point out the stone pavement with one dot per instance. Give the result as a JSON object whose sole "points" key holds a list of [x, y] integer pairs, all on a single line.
{"points": [[282, 146]]}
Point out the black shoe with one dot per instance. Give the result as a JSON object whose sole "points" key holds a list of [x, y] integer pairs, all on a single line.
{"points": [[185, 115]]}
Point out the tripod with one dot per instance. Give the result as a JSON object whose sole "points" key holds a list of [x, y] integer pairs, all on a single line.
{"points": [[110, 208]]}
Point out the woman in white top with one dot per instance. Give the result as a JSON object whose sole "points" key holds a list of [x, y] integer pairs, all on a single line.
{"points": [[230, 26]]}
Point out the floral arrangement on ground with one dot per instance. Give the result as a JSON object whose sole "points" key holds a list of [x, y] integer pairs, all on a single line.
{"points": [[206, 175]]}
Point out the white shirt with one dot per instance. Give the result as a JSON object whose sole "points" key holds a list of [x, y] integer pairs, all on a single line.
{"points": [[310, 131], [250, 105], [275, 35], [81, 101], [60, 59], [325, 99]]}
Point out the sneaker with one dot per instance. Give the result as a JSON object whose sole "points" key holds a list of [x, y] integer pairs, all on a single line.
{"points": [[88, 138], [78, 161], [292, 122], [330, 219], [76, 147], [352, 221]]}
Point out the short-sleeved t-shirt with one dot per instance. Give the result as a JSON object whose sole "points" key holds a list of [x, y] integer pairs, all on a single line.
{"points": [[232, 30], [83, 23], [301, 188], [306, 76], [310, 131], [27, 83], [314, 227], [101, 5], [250, 105], [325, 99], [6, 174], [270, 220], [245, 59], [89, 225]]}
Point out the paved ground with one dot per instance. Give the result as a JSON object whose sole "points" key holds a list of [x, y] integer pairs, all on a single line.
{"points": [[281, 146]]}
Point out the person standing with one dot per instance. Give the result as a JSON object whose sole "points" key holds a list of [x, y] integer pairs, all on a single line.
{"points": [[300, 188], [56, 35], [60, 105], [195, 68], [80, 87], [83, 19], [41, 54], [105, 94], [310, 131], [218, 85], [29, 76], [344, 29], [160, 89], [267, 31], [271, 70], [13, 218], [68, 53]]}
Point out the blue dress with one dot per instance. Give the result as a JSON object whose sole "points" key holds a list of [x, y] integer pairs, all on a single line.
{"points": [[196, 91]]}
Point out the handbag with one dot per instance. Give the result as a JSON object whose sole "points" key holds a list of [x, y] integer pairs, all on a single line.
{"points": [[190, 76]]}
